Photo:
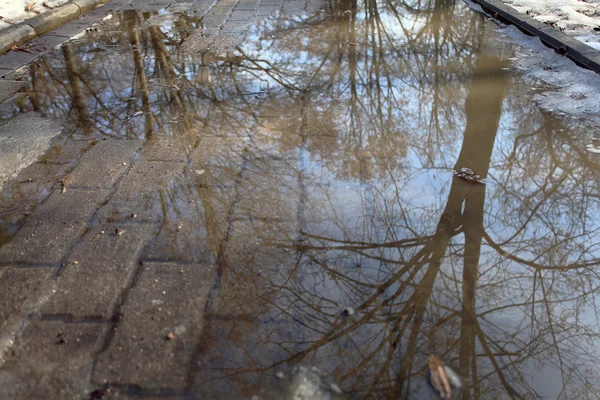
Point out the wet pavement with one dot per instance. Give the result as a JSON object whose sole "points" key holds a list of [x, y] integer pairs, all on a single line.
{"points": [[245, 190]]}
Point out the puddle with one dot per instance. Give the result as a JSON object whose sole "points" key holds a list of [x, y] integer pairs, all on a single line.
{"points": [[319, 153]]}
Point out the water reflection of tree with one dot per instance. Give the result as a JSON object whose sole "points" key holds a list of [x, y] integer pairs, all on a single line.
{"points": [[419, 302], [379, 96]]}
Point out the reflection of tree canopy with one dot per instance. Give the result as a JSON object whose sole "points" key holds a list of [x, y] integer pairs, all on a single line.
{"points": [[354, 118]]}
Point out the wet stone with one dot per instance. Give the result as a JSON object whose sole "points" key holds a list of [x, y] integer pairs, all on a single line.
{"points": [[16, 285], [98, 270], [22, 140], [167, 298], [184, 241], [103, 164], [14, 60], [162, 148], [238, 27], [242, 16], [8, 88], [53, 228], [50, 358], [69, 30], [65, 151], [147, 190]]}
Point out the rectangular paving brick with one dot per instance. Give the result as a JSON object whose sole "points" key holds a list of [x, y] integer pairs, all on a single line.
{"points": [[97, 271], [51, 360], [52, 229], [8, 88], [244, 16], [169, 148], [16, 285], [147, 191], [162, 320], [103, 164]]}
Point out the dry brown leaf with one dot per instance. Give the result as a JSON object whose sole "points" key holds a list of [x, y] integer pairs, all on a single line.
{"points": [[30, 6]]}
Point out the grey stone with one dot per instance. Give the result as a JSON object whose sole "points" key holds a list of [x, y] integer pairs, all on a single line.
{"points": [[97, 271], [54, 3], [162, 319], [52, 229], [161, 148], [101, 166], [15, 35], [16, 59], [16, 285], [184, 241], [55, 18], [8, 88], [236, 27], [22, 141], [147, 190], [244, 16], [87, 5], [64, 150], [50, 360]]}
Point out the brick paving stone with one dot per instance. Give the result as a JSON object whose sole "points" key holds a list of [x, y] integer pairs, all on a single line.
{"points": [[52, 229], [8, 88], [244, 16], [42, 173], [168, 148], [247, 5], [22, 140], [50, 360], [97, 271], [147, 191], [186, 239], [13, 60], [168, 298], [103, 164], [213, 20], [236, 27], [16, 285], [268, 10], [65, 151]]}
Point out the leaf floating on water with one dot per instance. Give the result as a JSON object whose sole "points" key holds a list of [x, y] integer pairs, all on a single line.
{"points": [[442, 378], [467, 174]]}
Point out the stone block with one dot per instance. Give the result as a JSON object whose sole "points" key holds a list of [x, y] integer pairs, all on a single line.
{"points": [[243, 16], [16, 59], [55, 18], [8, 88], [100, 167], [148, 191], [97, 271], [162, 320], [16, 285], [52, 229], [87, 5], [169, 148], [22, 141], [50, 360]]}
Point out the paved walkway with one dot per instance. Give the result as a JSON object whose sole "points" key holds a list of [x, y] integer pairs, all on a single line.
{"points": [[104, 289]]}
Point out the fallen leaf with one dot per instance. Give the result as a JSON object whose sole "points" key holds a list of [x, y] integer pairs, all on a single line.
{"points": [[30, 6]]}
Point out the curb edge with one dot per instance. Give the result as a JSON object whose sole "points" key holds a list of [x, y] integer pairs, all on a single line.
{"points": [[562, 43], [35, 27]]}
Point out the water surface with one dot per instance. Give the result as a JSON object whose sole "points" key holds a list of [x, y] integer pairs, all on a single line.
{"points": [[331, 136]]}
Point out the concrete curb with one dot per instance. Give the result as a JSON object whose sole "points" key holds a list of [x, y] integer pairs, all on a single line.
{"points": [[37, 26], [577, 51]]}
